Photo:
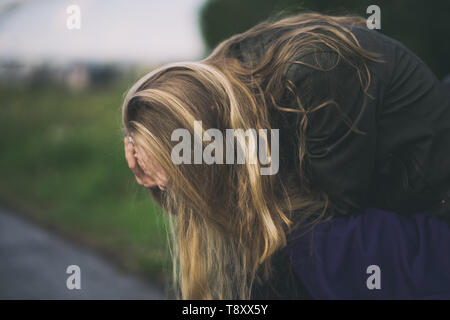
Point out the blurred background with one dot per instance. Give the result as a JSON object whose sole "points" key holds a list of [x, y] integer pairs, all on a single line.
{"points": [[66, 193]]}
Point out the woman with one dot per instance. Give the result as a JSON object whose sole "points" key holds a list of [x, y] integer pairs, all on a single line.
{"points": [[362, 123]]}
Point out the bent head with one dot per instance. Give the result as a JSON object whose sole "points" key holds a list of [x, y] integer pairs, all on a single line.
{"points": [[209, 203], [228, 219]]}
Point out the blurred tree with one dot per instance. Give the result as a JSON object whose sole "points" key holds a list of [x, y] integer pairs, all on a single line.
{"points": [[421, 25]]}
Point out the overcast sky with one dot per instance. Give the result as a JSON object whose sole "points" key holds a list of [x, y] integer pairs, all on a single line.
{"points": [[149, 31]]}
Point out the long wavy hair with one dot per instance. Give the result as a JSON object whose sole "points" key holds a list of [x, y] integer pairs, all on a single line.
{"points": [[227, 221]]}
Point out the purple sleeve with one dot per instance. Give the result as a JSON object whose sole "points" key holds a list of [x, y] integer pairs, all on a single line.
{"points": [[412, 253]]}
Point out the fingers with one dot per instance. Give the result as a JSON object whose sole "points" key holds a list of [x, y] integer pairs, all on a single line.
{"points": [[129, 154], [148, 172], [147, 168], [151, 167], [141, 177]]}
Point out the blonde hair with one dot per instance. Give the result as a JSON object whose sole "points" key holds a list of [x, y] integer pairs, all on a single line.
{"points": [[227, 221]]}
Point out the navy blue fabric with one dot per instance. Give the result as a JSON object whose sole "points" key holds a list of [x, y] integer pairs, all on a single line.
{"points": [[413, 254], [446, 83]]}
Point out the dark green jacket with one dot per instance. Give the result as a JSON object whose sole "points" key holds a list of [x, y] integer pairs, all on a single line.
{"points": [[402, 162]]}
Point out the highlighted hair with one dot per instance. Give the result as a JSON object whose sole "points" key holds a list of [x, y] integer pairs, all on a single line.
{"points": [[227, 221]]}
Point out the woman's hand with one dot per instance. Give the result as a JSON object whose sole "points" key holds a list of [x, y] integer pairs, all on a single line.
{"points": [[147, 171]]}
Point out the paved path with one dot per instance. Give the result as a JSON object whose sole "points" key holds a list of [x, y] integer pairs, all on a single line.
{"points": [[33, 265]]}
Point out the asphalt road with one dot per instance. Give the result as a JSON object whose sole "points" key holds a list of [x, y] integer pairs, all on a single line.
{"points": [[33, 265]]}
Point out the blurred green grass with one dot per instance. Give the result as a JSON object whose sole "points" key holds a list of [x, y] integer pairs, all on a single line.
{"points": [[62, 163]]}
